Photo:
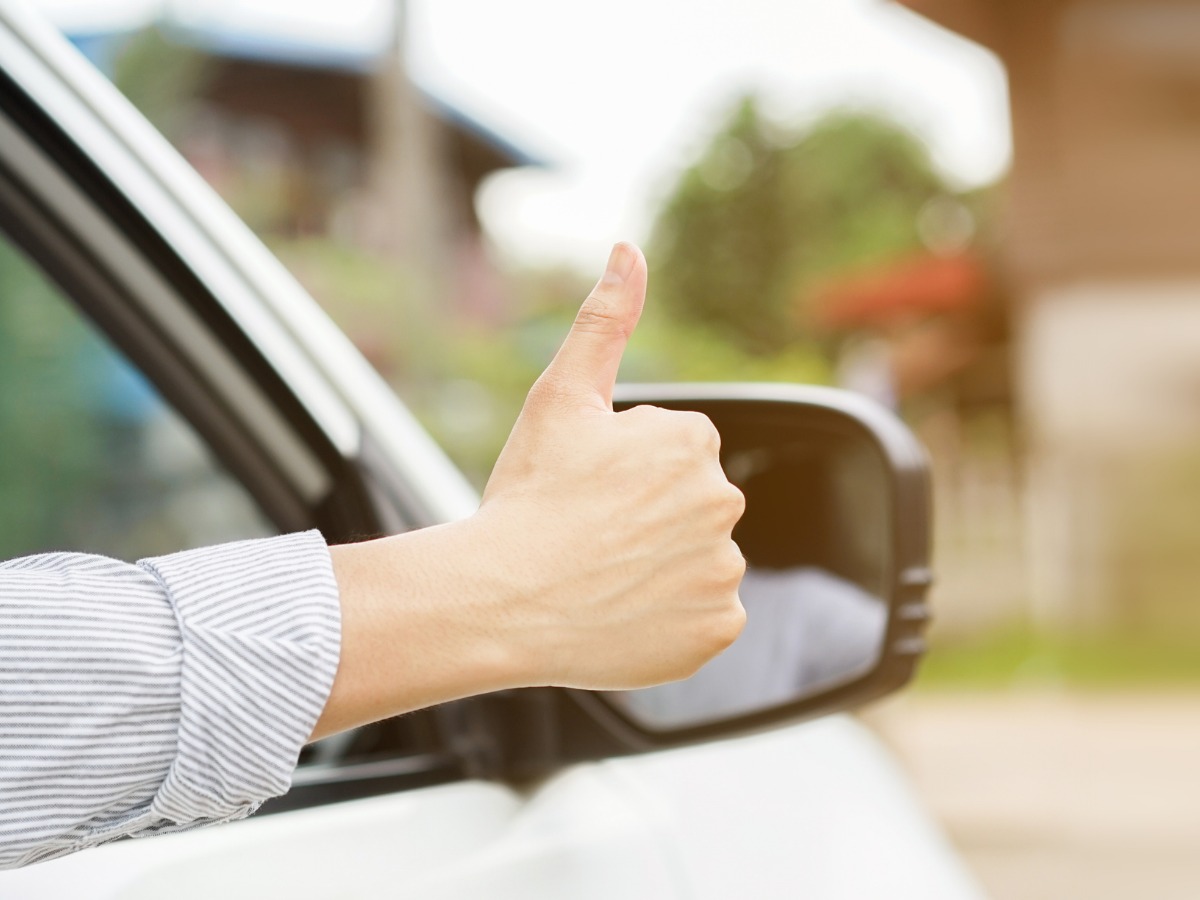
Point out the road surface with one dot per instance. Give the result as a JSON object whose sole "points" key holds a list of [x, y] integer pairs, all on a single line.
{"points": [[1060, 796]]}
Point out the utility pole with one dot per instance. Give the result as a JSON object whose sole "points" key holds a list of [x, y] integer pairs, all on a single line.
{"points": [[406, 180]]}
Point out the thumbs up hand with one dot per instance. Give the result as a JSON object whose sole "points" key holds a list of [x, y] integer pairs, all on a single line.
{"points": [[601, 556], [612, 531]]}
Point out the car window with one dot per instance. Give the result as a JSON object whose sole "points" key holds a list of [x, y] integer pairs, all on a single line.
{"points": [[91, 458]]}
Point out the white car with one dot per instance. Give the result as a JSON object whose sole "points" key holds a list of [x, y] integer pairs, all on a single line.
{"points": [[223, 403]]}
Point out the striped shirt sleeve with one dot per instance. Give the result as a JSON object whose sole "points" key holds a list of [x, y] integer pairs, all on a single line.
{"points": [[157, 697]]}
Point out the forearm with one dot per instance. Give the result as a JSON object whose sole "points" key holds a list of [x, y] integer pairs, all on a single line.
{"points": [[423, 622]]}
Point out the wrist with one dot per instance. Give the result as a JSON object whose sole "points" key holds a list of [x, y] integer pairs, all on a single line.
{"points": [[425, 620]]}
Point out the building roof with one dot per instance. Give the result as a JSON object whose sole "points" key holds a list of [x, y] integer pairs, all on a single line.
{"points": [[102, 47]]}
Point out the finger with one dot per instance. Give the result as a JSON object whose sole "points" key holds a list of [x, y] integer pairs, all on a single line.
{"points": [[585, 367]]}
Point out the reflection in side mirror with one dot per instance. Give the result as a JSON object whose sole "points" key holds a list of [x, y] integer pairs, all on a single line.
{"points": [[831, 482]]}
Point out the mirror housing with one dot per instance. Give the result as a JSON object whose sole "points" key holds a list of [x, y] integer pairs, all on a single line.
{"points": [[785, 420]]}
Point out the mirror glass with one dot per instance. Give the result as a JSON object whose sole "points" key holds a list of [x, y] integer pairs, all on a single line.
{"points": [[816, 535]]}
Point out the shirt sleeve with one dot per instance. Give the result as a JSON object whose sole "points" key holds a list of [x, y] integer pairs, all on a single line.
{"points": [[157, 697]]}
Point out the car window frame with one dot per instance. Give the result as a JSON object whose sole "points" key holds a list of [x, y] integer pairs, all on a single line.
{"points": [[119, 270], [114, 266]]}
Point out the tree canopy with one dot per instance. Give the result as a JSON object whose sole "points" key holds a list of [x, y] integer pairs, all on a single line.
{"points": [[767, 212]]}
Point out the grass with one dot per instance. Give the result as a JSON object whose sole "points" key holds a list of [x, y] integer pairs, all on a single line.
{"points": [[1019, 657]]}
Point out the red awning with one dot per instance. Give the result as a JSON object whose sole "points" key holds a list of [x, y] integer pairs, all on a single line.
{"points": [[926, 285]]}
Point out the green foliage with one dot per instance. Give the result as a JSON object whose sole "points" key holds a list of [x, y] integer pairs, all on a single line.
{"points": [[160, 77], [48, 436], [466, 380], [1024, 657], [663, 350], [766, 213], [761, 216]]}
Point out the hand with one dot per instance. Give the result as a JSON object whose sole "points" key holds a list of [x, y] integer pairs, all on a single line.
{"points": [[616, 526], [601, 556]]}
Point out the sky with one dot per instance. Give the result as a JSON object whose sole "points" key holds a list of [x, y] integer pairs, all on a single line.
{"points": [[619, 97]]}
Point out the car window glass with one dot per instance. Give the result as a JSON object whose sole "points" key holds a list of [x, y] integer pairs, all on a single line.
{"points": [[91, 458]]}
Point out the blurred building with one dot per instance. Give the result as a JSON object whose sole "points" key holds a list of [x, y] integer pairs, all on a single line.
{"points": [[1102, 247], [929, 334], [310, 139]]}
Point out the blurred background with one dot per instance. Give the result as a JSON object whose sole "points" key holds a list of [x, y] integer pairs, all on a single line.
{"points": [[984, 214]]}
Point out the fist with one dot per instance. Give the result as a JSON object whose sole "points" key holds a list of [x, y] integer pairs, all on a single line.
{"points": [[611, 532]]}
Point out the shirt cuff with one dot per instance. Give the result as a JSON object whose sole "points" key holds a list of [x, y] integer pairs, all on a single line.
{"points": [[260, 625]]}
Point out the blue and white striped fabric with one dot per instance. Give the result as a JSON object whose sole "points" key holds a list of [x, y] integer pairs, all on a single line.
{"points": [[157, 697]]}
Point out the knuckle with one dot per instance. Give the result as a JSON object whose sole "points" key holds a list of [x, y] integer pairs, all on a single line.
{"points": [[737, 616], [729, 626], [735, 500], [724, 504], [597, 316], [642, 411], [735, 564], [697, 430], [706, 432]]}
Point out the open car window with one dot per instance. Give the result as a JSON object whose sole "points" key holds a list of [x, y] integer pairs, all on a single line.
{"points": [[93, 458]]}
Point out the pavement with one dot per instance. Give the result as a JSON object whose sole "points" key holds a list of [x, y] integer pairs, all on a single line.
{"points": [[1058, 795]]}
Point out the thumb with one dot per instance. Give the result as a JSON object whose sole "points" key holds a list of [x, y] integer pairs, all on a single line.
{"points": [[586, 364]]}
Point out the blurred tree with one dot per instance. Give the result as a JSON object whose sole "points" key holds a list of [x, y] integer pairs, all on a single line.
{"points": [[765, 213], [160, 77], [48, 437]]}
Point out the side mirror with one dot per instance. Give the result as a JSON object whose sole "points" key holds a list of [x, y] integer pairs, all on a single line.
{"points": [[836, 539]]}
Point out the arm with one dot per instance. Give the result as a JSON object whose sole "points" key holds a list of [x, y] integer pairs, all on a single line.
{"points": [[142, 699], [600, 558]]}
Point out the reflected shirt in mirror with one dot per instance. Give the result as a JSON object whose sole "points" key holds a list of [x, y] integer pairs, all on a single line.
{"points": [[806, 630]]}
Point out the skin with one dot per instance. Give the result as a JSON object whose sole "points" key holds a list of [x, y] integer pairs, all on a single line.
{"points": [[601, 556]]}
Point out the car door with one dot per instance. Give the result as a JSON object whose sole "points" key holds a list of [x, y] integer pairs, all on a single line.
{"points": [[212, 399], [156, 397], [96, 458]]}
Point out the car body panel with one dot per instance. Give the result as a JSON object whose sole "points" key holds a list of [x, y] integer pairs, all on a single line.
{"points": [[816, 810]]}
